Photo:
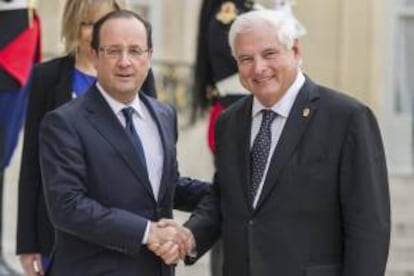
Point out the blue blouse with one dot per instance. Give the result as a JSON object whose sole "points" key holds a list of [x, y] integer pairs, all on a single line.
{"points": [[81, 82]]}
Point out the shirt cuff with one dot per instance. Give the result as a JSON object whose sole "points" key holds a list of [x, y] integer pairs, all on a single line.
{"points": [[192, 254], [146, 234]]}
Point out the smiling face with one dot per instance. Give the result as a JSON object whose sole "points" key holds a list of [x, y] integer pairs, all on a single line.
{"points": [[122, 75], [266, 67]]}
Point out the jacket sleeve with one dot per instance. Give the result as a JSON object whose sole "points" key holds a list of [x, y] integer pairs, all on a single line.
{"points": [[364, 195], [205, 222], [30, 179]]}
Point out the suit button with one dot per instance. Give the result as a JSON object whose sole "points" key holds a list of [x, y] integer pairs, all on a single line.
{"points": [[251, 222]]}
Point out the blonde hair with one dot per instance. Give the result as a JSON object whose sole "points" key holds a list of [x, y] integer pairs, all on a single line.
{"points": [[73, 14]]}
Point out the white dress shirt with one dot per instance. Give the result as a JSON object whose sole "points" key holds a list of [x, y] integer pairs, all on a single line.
{"points": [[282, 109]]}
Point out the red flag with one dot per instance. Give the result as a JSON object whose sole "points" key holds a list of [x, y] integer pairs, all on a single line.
{"points": [[18, 56]]}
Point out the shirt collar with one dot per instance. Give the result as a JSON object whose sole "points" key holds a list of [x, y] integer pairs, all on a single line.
{"points": [[117, 106], [284, 105]]}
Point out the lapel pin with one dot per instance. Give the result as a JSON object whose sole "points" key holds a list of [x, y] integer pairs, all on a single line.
{"points": [[306, 112]]}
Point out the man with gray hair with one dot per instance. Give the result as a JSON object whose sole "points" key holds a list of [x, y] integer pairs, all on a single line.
{"points": [[301, 184]]}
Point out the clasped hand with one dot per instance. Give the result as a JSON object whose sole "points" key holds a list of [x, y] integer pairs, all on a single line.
{"points": [[170, 241]]}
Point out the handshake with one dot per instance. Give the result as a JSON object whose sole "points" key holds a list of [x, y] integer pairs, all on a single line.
{"points": [[170, 241]]}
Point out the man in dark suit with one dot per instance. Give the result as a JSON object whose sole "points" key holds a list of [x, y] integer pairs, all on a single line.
{"points": [[301, 181], [108, 162]]}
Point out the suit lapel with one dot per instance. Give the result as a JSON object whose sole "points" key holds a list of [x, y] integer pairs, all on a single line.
{"points": [[301, 114], [102, 118], [243, 125]]}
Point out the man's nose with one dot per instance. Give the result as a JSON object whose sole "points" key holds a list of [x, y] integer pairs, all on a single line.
{"points": [[124, 59], [259, 65]]}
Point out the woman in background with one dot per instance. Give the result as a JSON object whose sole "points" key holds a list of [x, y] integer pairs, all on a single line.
{"points": [[54, 83]]}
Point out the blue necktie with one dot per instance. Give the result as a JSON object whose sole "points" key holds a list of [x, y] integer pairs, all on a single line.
{"points": [[133, 135], [260, 151]]}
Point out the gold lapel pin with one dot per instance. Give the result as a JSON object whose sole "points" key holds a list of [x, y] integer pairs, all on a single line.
{"points": [[306, 112]]}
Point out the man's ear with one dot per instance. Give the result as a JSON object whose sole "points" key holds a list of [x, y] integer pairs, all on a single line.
{"points": [[296, 49], [150, 51]]}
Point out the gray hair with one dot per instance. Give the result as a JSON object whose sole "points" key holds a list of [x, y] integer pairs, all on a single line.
{"points": [[286, 27]]}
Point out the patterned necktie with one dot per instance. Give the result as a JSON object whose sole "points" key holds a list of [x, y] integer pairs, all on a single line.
{"points": [[260, 151], [133, 135]]}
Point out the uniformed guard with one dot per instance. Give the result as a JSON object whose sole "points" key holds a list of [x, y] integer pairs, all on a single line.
{"points": [[216, 79]]}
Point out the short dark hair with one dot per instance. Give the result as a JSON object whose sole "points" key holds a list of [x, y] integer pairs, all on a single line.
{"points": [[119, 14]]}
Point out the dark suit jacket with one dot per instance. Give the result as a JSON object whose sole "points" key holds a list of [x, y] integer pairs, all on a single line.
{"points": [[97, 195], [324, 209], [51, 86]]}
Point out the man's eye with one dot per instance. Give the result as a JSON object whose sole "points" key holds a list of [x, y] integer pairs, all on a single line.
{"points": [[135, 52], [245, 60], [270, 54], [114, 52]]}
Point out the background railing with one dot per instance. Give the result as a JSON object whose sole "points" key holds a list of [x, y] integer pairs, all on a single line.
{"points": [[174, 82]]}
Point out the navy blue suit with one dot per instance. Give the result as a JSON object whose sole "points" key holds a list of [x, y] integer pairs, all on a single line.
{"points": [[97, 196], [50, 87]]}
